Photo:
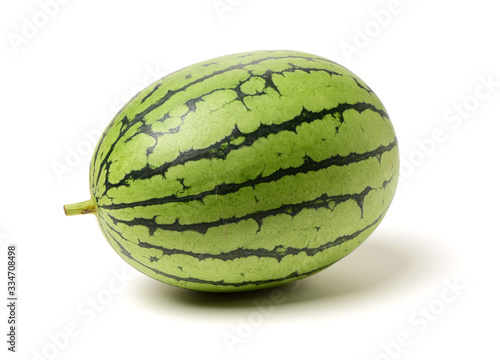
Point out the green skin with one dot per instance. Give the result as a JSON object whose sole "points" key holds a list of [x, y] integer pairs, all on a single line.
{"points": [[244, 172]]}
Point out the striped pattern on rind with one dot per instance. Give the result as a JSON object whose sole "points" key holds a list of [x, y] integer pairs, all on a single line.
{"points": [[246, 171]]}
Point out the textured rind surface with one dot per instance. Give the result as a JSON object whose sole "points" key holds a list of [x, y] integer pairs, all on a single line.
{"points": [[246, 171]]}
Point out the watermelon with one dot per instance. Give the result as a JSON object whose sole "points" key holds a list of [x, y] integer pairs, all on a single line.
{"points": [[244, 172]]}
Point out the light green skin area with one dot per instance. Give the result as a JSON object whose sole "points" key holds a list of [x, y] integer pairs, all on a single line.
{"points": [[311, 239]]}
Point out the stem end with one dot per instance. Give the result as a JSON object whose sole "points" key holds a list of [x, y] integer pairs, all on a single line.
{"points": [[81, 208]]}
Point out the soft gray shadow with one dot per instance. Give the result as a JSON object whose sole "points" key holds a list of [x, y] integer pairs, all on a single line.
{"points": [[386, 261]]}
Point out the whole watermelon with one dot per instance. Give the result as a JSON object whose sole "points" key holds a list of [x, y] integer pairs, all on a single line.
{"points": [[244, 172]]}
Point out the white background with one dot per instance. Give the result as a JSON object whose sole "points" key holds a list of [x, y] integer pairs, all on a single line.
{"points": [[67, 67]]}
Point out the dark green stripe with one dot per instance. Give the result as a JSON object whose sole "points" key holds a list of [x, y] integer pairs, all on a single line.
{"points": [[292, 275], [140, 116], [223, 189], [278, 253], [222, 148], [151, 92], [323, 201]]}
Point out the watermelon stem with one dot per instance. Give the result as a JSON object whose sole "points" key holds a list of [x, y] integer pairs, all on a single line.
{"points": [[81, 208]]}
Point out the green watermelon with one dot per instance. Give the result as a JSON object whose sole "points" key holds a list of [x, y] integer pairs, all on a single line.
{"points": [[244, 172]]}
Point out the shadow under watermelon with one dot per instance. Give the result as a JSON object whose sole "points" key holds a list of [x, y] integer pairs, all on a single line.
{"points": [[386, 265]]}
